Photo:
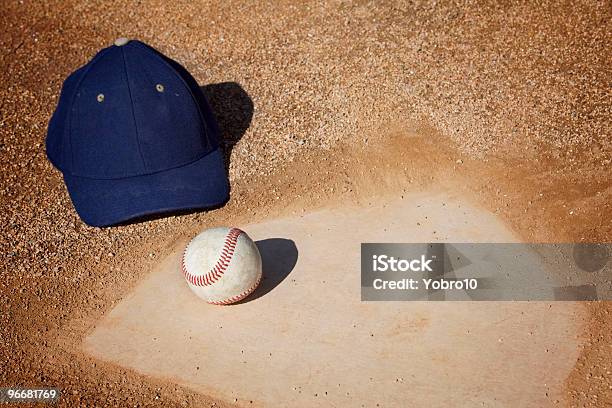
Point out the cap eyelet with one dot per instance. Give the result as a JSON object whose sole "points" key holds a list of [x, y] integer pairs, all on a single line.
{"points": [[100, 98], [159, 87]]}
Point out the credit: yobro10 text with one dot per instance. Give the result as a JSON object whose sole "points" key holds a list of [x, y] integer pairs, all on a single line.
{"points": [[385, 263]]}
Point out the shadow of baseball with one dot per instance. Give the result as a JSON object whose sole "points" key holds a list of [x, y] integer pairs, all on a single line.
{"points": [[278, 258]]}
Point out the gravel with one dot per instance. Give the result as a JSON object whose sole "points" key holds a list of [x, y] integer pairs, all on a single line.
{"points": [[511, 83]]}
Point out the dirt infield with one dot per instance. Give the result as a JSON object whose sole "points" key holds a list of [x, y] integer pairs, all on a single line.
{"points": [[320, 105]]}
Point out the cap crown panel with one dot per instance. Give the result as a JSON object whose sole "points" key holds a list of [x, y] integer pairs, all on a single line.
{"points": [[103, 132]]}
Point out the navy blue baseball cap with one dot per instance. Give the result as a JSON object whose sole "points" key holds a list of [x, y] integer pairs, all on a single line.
{"points": [[133, 136]]}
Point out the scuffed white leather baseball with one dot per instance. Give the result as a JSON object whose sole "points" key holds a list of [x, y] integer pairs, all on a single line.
{"points": [[222, 265]]}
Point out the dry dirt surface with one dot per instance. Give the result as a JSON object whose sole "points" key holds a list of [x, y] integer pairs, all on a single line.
{"points": [[305, 338], [320, 105]]}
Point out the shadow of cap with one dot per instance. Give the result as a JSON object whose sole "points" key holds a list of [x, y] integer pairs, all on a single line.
{"points": [[232, 107]]}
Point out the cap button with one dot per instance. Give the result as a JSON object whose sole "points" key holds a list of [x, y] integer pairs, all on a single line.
{"points": [[121, 41]]}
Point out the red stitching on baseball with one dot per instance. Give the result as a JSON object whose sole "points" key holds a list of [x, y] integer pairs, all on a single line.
{"points": [[236, 298], [218, 270]]}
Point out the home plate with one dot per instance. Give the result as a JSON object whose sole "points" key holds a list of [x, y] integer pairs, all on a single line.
{"points": [[305, 339]]}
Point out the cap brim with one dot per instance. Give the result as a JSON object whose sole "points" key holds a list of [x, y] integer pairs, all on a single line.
{"points": [[198, 185]]}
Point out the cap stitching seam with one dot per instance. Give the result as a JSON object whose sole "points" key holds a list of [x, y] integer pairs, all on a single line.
{"points": [[70, 106], [150, 172], [209, 144], [144, 164]]}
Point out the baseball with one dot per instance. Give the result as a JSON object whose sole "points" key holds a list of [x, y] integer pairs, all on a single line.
{"points": [[222, 265]]}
